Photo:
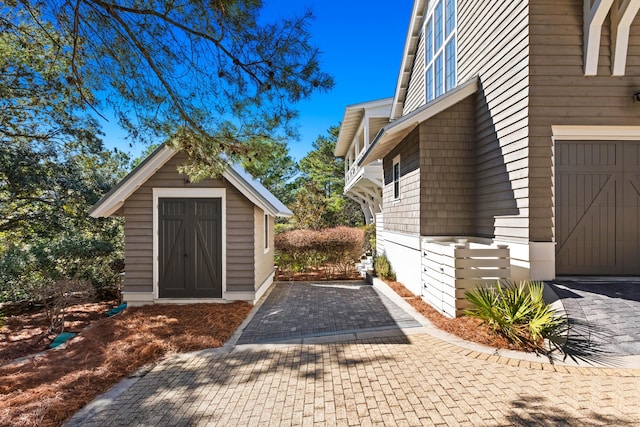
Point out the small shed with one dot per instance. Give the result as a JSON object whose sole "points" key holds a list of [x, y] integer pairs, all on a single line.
{"points": [[191, 242]]}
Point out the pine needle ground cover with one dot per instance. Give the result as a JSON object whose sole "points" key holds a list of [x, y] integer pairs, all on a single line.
{"points": [[465, 327], [47, 390], [25, 328]]}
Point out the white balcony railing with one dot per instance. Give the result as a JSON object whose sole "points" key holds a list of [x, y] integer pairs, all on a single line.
{"points": [[355, 171]]}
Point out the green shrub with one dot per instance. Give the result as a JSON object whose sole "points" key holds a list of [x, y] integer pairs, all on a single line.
{"points": [[382, 268], [370, 239], [26, 270], [516, 311]]}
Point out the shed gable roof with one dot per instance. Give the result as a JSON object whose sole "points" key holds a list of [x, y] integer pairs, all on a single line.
{"points": [[234, 174]]}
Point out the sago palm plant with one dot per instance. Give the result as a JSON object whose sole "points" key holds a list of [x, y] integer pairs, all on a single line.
{"points": [[516, 311]]}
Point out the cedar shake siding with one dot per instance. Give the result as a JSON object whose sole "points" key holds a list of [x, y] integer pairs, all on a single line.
{"points": [[562, 95], [447, 189], [138, 245], [493, 43], [403, 215]]}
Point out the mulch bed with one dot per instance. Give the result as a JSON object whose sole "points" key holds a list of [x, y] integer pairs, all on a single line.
{"points": [[465, 327], [48, 390], [26, 332]]}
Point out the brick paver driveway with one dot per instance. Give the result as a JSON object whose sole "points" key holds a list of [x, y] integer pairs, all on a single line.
{"points": [[403, 380], [604, 313], [301, 310], [377, 382]]}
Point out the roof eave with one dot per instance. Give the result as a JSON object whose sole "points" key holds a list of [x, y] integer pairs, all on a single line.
{"points": [[354, 113], [413, 33], [404, 125], [236, 179], [114, 199]]}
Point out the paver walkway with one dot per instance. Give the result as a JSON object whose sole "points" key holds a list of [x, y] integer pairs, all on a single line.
{"points": [[410, 381], [400, 380], [300, 310], [604, 314]]}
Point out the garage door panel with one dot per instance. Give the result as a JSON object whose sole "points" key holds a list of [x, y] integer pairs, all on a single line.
{"points": [[597, 207], [581, 197]]}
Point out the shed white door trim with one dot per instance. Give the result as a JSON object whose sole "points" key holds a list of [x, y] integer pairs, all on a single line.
{"points": [[187, 193]]}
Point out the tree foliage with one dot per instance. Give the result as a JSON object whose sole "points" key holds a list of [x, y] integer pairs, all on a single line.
{"points": [[320, 201], [209, 74], [274, 168], [322, 167]]}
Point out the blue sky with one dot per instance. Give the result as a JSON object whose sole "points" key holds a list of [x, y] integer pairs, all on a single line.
{"points": [[361, 44]]}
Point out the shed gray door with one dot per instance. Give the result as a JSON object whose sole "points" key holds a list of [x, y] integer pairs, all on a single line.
{"points": [[597, 207], [190, 248]]}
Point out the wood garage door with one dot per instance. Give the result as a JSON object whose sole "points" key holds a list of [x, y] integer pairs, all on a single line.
{"points": [[190, 248], [597, 207]]}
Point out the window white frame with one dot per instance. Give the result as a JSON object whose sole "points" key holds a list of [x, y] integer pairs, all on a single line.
{"points": [[188, 193], [395, 178], [440, 32]]}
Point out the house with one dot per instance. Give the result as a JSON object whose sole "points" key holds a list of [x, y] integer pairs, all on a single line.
{"points": [[193, 242], [514, 124], [360, 124]]}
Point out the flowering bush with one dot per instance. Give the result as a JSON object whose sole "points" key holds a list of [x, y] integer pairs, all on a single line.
{"points": [[334, 251]]}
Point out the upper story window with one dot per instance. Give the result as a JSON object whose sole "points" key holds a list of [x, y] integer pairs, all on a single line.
{"points": [[440, 48]]}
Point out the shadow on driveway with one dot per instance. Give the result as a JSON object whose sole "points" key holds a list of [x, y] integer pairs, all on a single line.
{"points": [[604, 316], [298, 310]]}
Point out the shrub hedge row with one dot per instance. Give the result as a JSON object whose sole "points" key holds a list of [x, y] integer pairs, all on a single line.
{"points": [[333, 250]]}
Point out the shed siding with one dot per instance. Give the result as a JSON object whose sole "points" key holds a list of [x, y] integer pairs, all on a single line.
{"points": [[562, 95], [447, 160], [403, 215], [493, 43], [416, 95], [264, 259], [138, 244]]}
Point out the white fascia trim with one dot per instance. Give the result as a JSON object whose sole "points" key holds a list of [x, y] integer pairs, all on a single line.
{"points": [[356, 113], [594, 17], [415, 26], [595, 133], [131, 183], [621, 20], [249, 193], [352, 117], [188, 193]]}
